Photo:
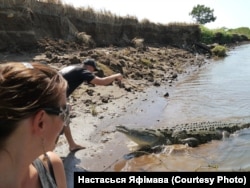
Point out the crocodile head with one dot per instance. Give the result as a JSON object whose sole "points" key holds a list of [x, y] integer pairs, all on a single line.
{"points": [[143, 137]]}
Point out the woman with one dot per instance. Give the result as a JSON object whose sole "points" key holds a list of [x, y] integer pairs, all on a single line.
{"points": [[32, 113]]}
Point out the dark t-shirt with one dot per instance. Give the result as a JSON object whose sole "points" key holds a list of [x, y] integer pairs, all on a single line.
{"points": [[75, 76]]}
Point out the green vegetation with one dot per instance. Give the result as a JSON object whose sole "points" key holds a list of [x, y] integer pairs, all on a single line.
{"points": [[240, 31], [145, 62], [219, 51], [207, 35], [93, 110], [221, 36], [224, 36], [202, 14]]}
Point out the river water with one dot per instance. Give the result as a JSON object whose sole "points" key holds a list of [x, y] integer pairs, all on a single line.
{"points": [[219, 92]]}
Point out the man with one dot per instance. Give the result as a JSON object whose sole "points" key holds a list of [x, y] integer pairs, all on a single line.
{"points": [[76, 75]]}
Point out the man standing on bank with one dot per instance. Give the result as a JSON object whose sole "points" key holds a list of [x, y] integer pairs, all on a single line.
{"points": [[75, 76]]}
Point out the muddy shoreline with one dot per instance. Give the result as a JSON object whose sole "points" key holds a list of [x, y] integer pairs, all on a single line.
{"points": [[96, 110]]}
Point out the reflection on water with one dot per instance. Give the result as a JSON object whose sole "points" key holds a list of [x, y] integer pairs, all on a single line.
{"points": [[220, 92]]}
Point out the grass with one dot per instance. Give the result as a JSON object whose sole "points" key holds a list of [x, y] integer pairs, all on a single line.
{"points": [[93, 110], [224, 35]]}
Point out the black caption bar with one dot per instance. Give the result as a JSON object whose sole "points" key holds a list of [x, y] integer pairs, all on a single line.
{"points": [[162, 179]]}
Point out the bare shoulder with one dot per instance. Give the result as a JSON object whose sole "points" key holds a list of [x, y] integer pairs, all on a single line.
{"points": [[54, 158], [58, 168]]}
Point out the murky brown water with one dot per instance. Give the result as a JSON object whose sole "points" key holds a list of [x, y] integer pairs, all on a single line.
{"points": [[220, 92]]}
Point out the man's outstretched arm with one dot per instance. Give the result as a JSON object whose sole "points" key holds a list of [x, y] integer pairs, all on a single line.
{"points": [[106, 80]]}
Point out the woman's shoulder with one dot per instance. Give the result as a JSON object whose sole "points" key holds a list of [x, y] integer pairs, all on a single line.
{"points": [[54, 158], [58, 168]]}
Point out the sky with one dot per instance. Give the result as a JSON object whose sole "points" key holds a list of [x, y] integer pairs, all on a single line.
{"points": [[230, 13]]}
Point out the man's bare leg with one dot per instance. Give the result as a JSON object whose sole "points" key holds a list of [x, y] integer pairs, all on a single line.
{"points": [[72, 145]]}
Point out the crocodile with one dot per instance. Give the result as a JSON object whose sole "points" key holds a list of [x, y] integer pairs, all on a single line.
{"points": [[192, 134]]}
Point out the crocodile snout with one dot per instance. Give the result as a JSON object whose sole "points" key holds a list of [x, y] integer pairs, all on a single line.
{"points": [[143, 137]]}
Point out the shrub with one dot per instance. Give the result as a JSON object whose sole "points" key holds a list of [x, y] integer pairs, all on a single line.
{"points": [[219, 51], [207, 35]]}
